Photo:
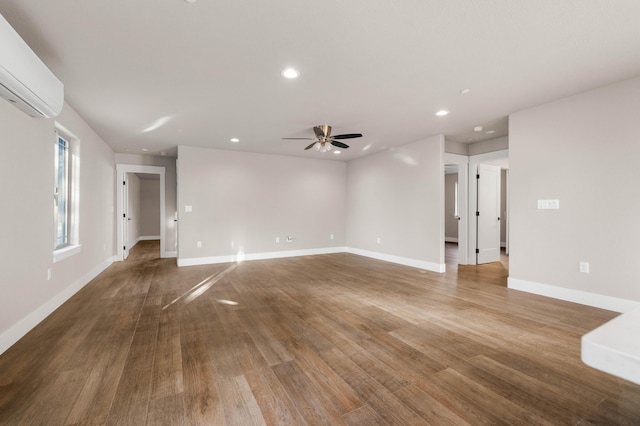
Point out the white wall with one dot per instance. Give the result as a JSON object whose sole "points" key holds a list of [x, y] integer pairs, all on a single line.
{"points": [[242, 201], [150, 208], [450, 222], [583, 150], [26, 244], [490, 145], [398, 196]]}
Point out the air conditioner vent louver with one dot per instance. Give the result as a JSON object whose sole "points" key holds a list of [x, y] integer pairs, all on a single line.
{"points": [[25, 81]]}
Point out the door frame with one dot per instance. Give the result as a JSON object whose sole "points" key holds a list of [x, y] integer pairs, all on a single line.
{"points": [[474, 161], [462, 161], [121, 171], [122, 218]]}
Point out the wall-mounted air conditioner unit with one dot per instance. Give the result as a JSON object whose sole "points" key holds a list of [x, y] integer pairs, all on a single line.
{"points": [[25, 80]]}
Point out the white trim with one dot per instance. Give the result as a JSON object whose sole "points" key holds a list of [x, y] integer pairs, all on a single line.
{"points": [[614, 347], [170, 254], [121, 170], [463, 210], [577, 296], [66, 252], [258, 256], [450, 240], [474, 161], [420, 264], [9, 337], [310, 252]]}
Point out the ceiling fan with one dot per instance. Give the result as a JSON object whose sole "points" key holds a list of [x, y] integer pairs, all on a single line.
{"points": [[323, 141]]}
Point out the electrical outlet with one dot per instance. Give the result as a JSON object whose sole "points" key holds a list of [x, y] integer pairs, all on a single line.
{"points": [[277, 239], [331, 236], [584, 267], [378, 240], [48, 274], [199, 244]]}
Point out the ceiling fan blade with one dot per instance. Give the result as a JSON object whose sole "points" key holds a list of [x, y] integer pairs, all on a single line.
{"points": [[322, 131], [310, 146], [299, 139], [339, 144], [347, 136]]}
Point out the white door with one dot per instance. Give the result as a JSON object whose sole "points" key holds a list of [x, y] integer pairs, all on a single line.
{"points": [[488, 214], [125, 215]]}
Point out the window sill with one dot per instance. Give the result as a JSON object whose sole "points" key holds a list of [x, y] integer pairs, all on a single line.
{"points": [[66, 252]]}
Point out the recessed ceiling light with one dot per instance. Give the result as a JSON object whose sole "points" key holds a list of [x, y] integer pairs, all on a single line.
{"points": [[290, 73], [465, 91], [145, 149], [490, 131], [234, 140], [191, 1], [442, 113], [477, 129], [337, 152]]}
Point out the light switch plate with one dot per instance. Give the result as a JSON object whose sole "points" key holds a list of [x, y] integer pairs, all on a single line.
{"points": [[548, 204]]}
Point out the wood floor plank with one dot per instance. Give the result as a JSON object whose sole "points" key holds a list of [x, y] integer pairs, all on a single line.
{"points": [[474, 402], [311, 404], [428, 408], [167, 366], [276, 406], [166, 411], [328, 339], [364, 415], [239, 405]]}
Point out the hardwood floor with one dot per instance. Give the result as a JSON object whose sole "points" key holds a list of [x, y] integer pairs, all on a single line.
{"points": [[331, 339]]}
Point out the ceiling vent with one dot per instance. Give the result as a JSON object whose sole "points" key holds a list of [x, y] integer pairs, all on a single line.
{"points": [[25, 81]]}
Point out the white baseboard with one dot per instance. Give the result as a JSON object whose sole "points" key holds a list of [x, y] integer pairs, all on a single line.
{"points": [[258, 256], [310, 252], [429, 266], [450, 239], [26, 324], [577, 296], [168, 254]]}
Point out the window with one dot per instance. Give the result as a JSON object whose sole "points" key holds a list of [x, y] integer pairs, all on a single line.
{"points": [[65, 194], [61, 192]]}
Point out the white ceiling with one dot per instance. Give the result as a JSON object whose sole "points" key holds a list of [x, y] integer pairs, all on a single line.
{"points": [[209, 71]]}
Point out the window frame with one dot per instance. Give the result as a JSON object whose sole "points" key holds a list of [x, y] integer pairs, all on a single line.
{"points": [[61, 192], [66, 190]]}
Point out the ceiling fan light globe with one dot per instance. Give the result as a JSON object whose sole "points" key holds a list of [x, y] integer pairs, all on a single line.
{"points": [[317, 146]]}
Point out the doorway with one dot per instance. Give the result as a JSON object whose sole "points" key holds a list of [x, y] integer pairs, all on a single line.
{"points": [[142, 210], [123, 214], [499, 229], [456, 209]]}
